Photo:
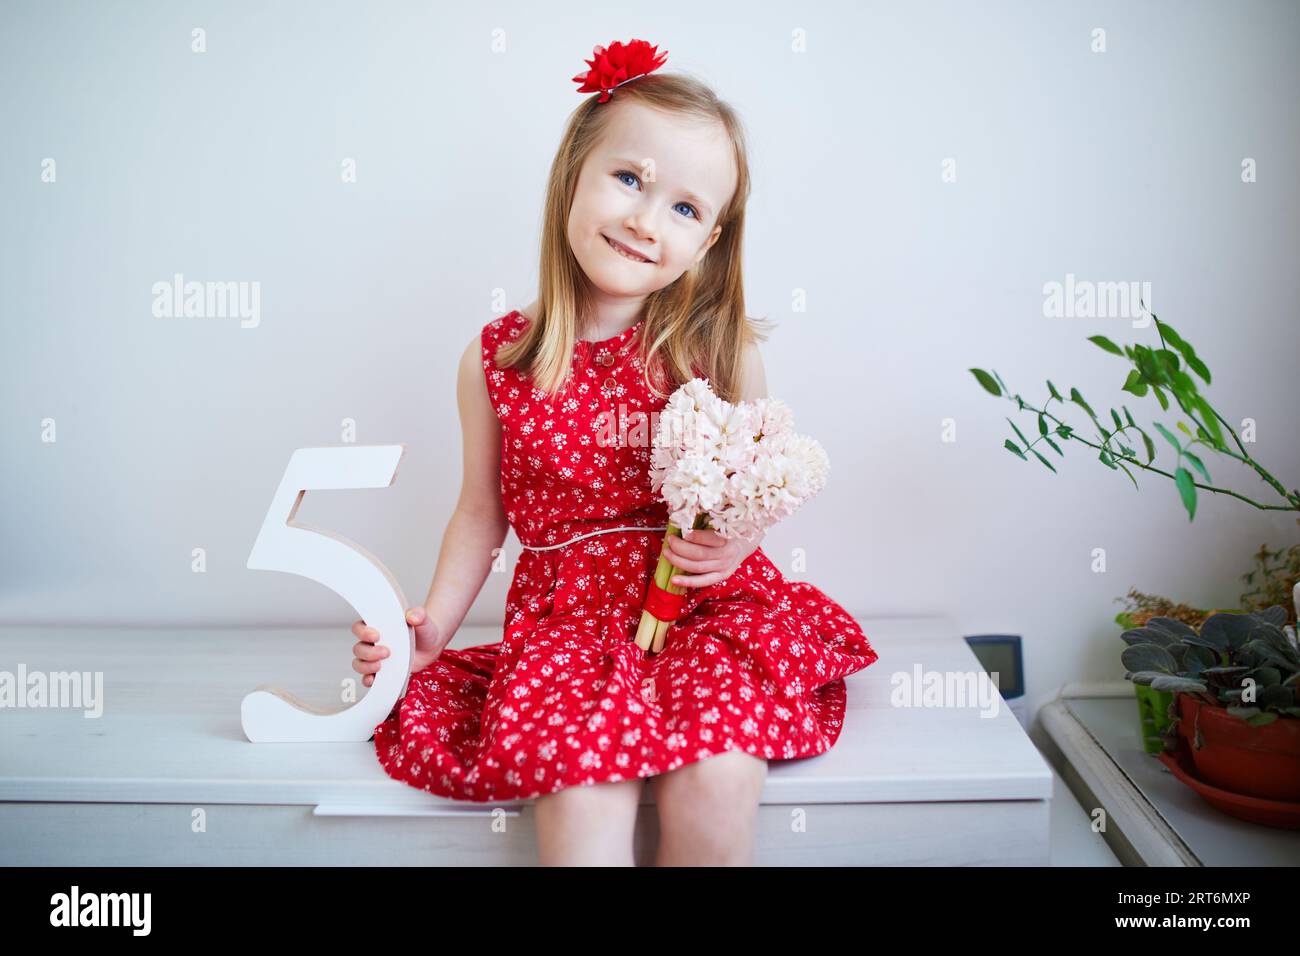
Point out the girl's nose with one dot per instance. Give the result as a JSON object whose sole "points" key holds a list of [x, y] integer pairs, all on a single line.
{"points": [[641, 224]]}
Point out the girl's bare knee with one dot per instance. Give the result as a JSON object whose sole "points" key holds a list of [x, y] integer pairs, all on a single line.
{"points": [[587, 797], [714, 796], [730, 772], [589, 823]]}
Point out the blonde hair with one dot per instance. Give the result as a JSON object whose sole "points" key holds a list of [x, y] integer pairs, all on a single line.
{"points": [[695, 326]]}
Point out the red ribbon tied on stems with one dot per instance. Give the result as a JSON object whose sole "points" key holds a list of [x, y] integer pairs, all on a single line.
{"points": [[664, 605], [612, 67]]}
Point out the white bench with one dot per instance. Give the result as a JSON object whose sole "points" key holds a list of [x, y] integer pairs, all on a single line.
{"points": [[166, 777]]}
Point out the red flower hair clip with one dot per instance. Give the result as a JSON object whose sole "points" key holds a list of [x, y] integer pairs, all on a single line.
{"points": [[611, 68]]}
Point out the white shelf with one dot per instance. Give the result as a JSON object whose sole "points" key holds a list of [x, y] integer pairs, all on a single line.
{"points": [[902, 785]]}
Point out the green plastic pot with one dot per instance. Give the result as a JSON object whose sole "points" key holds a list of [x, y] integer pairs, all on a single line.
{"points": [[1154, 716]]}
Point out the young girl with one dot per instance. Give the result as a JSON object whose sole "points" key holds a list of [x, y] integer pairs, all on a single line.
{"points": [[640, 290]]}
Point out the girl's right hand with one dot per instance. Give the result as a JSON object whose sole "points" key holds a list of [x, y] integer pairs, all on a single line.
{"points": [[366, 657]]}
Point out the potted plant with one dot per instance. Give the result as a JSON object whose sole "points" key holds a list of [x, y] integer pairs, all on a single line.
{"points": [[1236, 687], [1234, 678], [1271, 584], [1154, 705]]}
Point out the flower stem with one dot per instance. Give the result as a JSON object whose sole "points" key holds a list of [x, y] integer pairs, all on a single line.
{"points": [[661, 629], [648, 631]]}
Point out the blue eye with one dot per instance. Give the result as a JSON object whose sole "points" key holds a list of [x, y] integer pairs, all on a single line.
{"points": [[623, 172]]}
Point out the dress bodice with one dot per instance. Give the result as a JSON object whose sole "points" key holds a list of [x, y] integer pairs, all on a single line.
{"points": [[578, 461]]}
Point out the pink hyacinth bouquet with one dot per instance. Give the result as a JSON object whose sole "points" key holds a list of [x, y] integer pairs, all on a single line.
{"points": [[737, 468]]}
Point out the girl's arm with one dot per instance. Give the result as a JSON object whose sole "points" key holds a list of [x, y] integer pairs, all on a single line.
{"points": [[478, 525]]}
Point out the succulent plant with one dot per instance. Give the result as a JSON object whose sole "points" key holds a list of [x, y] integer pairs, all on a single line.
{"points": [[1248, 664]]}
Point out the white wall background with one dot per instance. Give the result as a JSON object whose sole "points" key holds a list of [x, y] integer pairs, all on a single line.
{"points": [[172, 433]]}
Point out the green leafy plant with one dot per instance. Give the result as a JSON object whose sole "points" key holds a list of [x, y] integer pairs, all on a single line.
{"points": [[1157, 371], [1273, 583], [1245, 663]]}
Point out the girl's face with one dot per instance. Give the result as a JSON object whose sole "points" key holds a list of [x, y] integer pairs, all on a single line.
{"points": [[655, 184]]}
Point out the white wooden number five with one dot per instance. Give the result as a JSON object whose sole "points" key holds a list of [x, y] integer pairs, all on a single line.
{"points": [[272, 715]]}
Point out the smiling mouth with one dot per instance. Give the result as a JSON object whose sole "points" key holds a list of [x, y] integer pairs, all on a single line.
{"points": [[631, 256]]}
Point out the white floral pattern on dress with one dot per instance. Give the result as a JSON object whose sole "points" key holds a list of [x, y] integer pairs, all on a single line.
{"points": [[755, 663]]}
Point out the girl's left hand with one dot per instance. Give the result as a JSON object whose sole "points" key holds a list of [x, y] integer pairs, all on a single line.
{"points": [[712, 557]]}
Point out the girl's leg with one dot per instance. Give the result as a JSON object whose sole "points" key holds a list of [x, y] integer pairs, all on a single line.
{"points": [[708, 809], [588, 825]]}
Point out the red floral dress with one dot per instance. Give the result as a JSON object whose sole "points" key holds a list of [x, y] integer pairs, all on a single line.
{"points": [[567, 698]]}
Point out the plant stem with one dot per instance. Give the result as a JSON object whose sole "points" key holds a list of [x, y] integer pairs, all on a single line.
{"points": [[1293, 506], [1245, 456]]}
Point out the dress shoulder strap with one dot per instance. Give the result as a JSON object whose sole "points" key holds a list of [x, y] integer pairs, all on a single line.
{"points": [[503, 385], [502, 329]]}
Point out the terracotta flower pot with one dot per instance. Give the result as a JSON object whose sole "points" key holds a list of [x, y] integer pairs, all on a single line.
{"points": [[1231, 754]]}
